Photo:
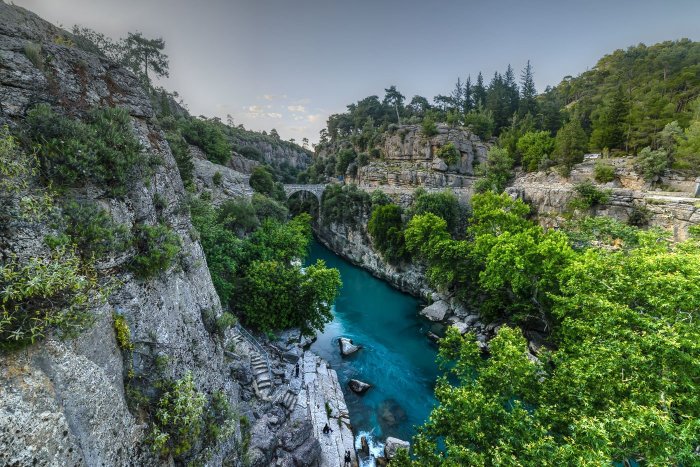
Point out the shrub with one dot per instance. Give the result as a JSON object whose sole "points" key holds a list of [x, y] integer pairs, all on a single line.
{"points": [[443, 204], [570, 145], [103, 151], [225, 321], [208, 137], [122, 332], [261, 180], [379, 198], [32, 51], [93, 230], [386, 228], [428, 126], [44, 294], [362, 159], [640, 216], [238, 215], [183, 158], [588, 195], [216, 178], [220, 419], [603, 173], [534, 147], [268, 208], [156, 246], [481, 123], [651, 164], [344, 159], [449, 153], [178, 418], [344, 204], [496, 172]]}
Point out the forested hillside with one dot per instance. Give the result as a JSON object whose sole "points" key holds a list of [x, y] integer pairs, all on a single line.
{"points": [[641, 101]]}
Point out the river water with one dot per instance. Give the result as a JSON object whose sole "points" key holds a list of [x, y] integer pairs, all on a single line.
{"points": [[397, 358]]}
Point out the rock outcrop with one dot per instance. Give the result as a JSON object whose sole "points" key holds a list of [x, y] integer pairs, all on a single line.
{"points": [[358, 387], [394, 444], [347, 347]]}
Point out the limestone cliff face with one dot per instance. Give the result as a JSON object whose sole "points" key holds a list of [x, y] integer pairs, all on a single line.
{"points": [[410, 159], [276, 154], [63, 402]]}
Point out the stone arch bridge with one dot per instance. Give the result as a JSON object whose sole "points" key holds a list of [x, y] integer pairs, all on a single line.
{"points": [[317, 190]]}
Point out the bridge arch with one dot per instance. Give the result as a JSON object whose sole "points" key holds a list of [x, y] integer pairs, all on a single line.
{"points": [[317, 190]]}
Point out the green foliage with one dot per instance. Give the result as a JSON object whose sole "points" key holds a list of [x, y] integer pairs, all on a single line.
{"points": [[534, 147], [220, 419], [688, 151], [443, 204], [122, 332], [261, 180], [449, 153], [481, 123], [216, 178], [603, 173], [496, 172], [268, 208], [208, 137], [598, 231], [344, 158], [589, 196], [225, 321], [178, 419], [250, 152], [279, 297], [32, 51], [93, 231], [639, 216], [238, 215], [103, 151], [183, 158], [428, 127], [43, 294], [157, 247], [379, 198], [609, 122], [386, 228], [344, 204], [651, 164], [570, 145]]}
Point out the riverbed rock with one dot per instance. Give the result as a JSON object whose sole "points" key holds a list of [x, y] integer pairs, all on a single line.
{"points": [[364, 446], [394, 444], [358, 387], [347, 347], [461, 327], [432, 336], [390, 414], [436, 311]]}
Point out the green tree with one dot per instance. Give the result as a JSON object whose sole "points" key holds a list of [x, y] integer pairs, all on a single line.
{"points": [[688, 151], [443, 204], [261, 181], [651, 164], [528, 92], [496, 172], [534, 147], [570, 145], [609, 126], [386, 228], [394, 99], [142, 54]]}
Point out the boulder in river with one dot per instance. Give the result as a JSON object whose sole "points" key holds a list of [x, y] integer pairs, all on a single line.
{"points": [[436, 311], [432, 336], [347, 347], [364, 446], [358, 387], [394, 444], [390, 414]]}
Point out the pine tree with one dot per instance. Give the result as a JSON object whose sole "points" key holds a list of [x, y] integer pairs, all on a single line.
{"points": [[512, 92], [609, 127], [528, 93], [468, 102], [479, 92], [457, 96]]}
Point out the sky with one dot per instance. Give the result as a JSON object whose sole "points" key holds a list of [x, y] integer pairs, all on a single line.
{"points": [[288, 64]]}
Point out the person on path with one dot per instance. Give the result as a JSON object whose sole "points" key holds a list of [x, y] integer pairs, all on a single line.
{"points": [[327, 429], [296, 370], [348, 458]]}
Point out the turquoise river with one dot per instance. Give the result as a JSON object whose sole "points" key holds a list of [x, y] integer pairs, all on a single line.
{"points": [[397, 358]]}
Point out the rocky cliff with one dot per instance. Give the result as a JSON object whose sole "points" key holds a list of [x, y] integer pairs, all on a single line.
{"points": [[76, 401]]}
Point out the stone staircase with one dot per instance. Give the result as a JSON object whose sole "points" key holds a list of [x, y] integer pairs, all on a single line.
{"points": [[262, 374]]}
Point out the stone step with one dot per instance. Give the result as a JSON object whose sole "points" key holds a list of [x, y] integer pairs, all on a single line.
{"points": [[260, 371]]}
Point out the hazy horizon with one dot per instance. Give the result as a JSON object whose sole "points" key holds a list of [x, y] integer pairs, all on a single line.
{"points": [[274, 64]]}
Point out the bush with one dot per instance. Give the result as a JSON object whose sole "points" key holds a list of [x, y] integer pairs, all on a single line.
{"points": [[443, 204], [428, 126], [178, 419], [208, 137], [344, 159], [496, 172], [238, 215], [122, 332], [261, 180], [534, 147], [216, 178], [44, 294], [651, 164], [268, 208], [32, 51], [103, 151], [379, 198], [449, 153], [156, 246], [588, 195], [249, 152], [481, 123], [183, 158], [344, 204], [640, 216], [603, 173], [362, 159], [386, 228], [93, 230]]}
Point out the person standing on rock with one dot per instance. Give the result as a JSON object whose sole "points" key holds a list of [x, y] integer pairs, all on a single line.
{"points": [[296, 370], [348, 458], [327, 429]]}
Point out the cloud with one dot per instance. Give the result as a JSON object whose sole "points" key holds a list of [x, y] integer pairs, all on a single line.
{"points": [[314, 118], [256, 109], [272, 97], [274, 115], [298, 117], [296, 108]]}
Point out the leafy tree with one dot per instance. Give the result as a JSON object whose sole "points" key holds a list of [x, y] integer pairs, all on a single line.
{"points": [[238, 215], [603, 173], [609, 126], [261, 181], [268, 208], [386, 228], [688, 151], [481, 123], [208, 137], [443, 204], [428, 126], [570, 145], [394, 99], [496, 172], [534, 147], [651, 164]]}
